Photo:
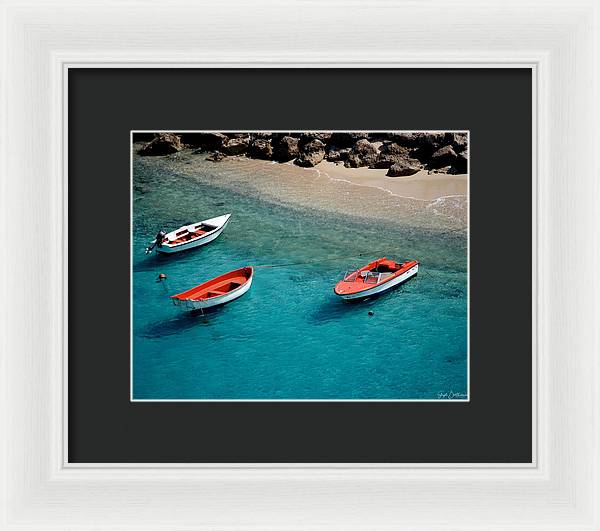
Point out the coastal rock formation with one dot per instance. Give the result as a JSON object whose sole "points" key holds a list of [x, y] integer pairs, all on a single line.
{"points": [[462, 162], [458, 141], [421, 140], [363, 154], [305, 138], [264, 135], [235, 145], [286, 149], [335, 154], [261, 149], [444, 156], [206, 141], [389, 154], [162, 144], [311, 154], [402, 168], [347, 140], [409, 152]]}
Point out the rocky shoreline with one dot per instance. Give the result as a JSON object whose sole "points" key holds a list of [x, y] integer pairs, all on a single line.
{"points": [[402, 154]]}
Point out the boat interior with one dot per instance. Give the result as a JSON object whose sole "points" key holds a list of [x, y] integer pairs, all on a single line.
{"points": [[216, 288], [217, 291], [185, 235], [376, 273]]}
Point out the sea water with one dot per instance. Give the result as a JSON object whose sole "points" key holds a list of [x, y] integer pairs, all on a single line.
{"points": [[290, 337]]}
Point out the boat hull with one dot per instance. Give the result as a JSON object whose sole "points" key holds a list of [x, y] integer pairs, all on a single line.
{"points": [[382, 287], [202, 304], [198, 242]]}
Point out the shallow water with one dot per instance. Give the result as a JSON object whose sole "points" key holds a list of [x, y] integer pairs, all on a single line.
{"points": [[290, 337]]}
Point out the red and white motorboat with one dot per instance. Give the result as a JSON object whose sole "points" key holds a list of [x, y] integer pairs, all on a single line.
{"points": [[189, 236], [374, 278], [219, 290]]}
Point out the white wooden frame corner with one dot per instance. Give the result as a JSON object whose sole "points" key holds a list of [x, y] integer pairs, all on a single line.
{"points": [[558, 40]]}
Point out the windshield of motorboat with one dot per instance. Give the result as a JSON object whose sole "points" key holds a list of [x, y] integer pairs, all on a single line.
{"points": [[351, 275], [372, 277]]}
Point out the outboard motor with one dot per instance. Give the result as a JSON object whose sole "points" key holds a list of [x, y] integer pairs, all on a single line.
{"points": [[158, 241], [160, 237]]}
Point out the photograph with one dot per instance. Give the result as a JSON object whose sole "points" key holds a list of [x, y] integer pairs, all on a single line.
{"points": [[299, 265]]}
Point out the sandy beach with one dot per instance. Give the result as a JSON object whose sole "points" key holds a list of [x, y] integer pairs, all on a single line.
{"points": [[425, 200], [422, 185]]}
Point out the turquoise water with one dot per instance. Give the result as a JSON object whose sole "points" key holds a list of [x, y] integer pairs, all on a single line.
{"points": [[289, 337]]}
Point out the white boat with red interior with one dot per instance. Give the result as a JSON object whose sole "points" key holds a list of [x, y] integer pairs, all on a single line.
{"points": [[217, 291], [376, 277], [189, 236]]}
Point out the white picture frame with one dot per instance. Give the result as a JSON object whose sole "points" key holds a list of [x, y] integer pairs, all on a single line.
{"points": [[557, 40]]}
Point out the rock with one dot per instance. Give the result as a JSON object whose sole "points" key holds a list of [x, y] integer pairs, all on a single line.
{"points": [[391, 148], [417, 140], [311, 154], [402, 169], [335, 154], [306, 138], [422, 145], [205, 141], [236, 145], [162, 144], [389, 154], [458, 141], [261, 149], [262, 134], [387, 161], [443, 157], [216, 156], [346, 139], [363, 154], [462, 162], [286, 149]]}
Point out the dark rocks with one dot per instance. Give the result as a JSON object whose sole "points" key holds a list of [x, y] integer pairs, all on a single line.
{"points": [[408, 152], [205, 141], [402, 168], [422, 145], [311, 154], [389, 154], [216, 156], [418, 140], [305, 138], [458, 141], [162, 144], [286, 149], [391, 148], [263, 134], [335, 154], [347, 139], [261, 149], [235, 145], [363, 154], [461, 163], [443, 157]]}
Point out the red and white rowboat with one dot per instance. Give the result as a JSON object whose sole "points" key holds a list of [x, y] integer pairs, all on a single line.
{"points": [[219, 290], [190, 236], [374, 278]]}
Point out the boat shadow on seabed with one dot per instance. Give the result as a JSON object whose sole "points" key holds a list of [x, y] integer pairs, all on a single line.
{"points": [[183, 321], [335, 308]]}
